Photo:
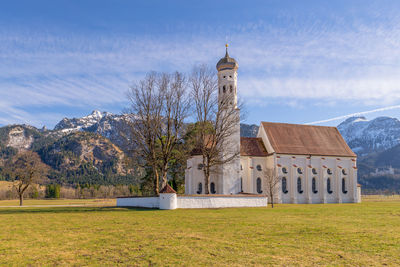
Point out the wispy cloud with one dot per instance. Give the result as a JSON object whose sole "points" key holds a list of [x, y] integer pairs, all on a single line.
{"points": [[355, 114], [329, 62]]}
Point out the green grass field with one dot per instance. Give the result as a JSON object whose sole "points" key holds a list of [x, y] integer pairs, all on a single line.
{"points": [[330, 234]]}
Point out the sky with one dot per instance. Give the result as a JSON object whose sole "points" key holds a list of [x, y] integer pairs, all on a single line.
{"points": [[299, 61]]}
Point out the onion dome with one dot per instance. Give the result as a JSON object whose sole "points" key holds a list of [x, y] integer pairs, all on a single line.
{"points": [[227, 62]]}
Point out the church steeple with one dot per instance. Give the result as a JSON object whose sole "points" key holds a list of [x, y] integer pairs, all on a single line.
{"points": [[227, 79], [227, 62], [229, 174]]}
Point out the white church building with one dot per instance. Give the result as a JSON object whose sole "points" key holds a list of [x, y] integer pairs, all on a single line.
{"points": [[314, 163]]}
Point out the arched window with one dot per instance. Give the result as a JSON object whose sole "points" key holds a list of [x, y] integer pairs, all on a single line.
{"points": [[299, 171], [328, 186], [230, 88], [299, 190], [241, 167], [200, 188], [329, 171], [314, 185], [259, 168], [314, 171], [223, 89], [212, 188], [284, 170], [259, 185], [344, 186], [284, 185], [241, 184]]}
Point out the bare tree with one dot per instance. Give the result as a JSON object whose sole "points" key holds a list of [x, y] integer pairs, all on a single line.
{"points": [[271, 180], [25, 169], [145, 121], [174, 111], [217, 119], [159, 106]]}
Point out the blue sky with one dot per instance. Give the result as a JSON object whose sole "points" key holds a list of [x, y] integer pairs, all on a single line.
{"points": [[299, 61]]}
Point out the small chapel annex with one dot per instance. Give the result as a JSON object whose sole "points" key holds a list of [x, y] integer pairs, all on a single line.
{"points": [[314, 163]]}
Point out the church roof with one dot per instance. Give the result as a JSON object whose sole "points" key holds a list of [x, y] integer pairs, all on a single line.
{"points": [[252, 146], [306, 140]]}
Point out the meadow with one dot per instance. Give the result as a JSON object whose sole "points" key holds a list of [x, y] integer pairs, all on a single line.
{"points": [[99, 234]]}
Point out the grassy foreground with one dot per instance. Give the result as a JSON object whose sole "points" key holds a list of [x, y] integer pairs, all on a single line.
{"points": [[331, 234]]}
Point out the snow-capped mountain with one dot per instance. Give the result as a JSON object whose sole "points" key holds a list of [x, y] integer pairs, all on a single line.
{"points": [[77, 124], [366, 136], [109, 125]]}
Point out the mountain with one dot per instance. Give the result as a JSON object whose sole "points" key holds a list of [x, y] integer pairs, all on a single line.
{"points": [[92, 149], [368, 136], [247, 130], [74, 156], [111, 126]]}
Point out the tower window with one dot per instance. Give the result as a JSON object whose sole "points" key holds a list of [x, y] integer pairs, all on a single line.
{"points": [[314, 171], [284, 170], [230, 88], [344, 172], [299, 170], [200, 166], [329, 171], [259, 168], [224, 89], [230, 76], [224, 76]]}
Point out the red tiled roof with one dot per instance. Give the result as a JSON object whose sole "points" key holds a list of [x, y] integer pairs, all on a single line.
{"points": [[167, 190], [306, 140], [252, 146]]}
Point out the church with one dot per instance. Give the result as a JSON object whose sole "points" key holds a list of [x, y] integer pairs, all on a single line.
{"points": [[313, 164]]}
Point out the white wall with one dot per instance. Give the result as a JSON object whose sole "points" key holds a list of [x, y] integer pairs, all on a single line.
{"points": [[144, 202], [321, 164], [194, 202], [167, 201]]}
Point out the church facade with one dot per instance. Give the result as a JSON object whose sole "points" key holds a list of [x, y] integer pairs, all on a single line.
{"points": [[312, 164]]}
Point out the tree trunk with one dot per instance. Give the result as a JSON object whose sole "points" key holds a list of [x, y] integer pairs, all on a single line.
{"points": [[207, 183], [164, 176], [21, 199], [206, 170], [156, 182], [272, 201]]}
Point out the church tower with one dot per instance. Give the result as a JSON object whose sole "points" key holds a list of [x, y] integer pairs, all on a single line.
{"points": [[229, 177]]}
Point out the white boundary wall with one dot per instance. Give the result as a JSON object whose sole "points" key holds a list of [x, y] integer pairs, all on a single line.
{"points": [[194, 202], [143, 202], [171, 201]]}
